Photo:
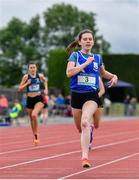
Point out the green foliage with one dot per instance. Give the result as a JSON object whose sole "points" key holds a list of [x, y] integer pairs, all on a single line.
{"points": [[64, 22], [9, 73], [20, 43], [125, 66], [57, 62]]}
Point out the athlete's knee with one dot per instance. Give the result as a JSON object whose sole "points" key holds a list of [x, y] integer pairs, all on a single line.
{"points": [[34, 115], [85, 124]]}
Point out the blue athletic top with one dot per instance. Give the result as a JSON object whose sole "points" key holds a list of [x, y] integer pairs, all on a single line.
{"points": [[35, 85], [88, 78]]}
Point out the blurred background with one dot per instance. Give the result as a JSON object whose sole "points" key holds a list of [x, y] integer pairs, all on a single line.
{"points": [[39, 31]]}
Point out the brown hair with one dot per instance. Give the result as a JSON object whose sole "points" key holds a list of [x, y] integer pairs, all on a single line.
{"points": [[74, 43], [31, 63]]}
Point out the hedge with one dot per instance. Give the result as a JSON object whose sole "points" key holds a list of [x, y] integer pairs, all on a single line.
{"points": [[125, 66]]}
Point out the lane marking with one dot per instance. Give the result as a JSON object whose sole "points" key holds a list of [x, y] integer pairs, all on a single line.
{"points": [[38, 147], [99, 166], [19, 142], [56, 144], [65, 154]]}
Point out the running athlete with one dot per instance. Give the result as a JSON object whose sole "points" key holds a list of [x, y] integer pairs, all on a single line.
{"points": [[32, 82], [84, 69], [97, 115]]}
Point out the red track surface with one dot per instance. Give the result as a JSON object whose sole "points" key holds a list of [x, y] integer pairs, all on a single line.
{"points": [[115, 154]]}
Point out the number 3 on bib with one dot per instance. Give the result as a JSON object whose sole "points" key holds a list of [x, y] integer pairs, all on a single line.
{"points": [[86, 80]]}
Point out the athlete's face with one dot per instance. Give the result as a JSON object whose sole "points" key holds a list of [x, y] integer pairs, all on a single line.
{"points": [[86, 42], [32, 69]]}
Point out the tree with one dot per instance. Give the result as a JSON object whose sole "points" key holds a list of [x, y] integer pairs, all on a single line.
{"points": [[63, 23], [20, 43], [57, 70], [9, 73]]}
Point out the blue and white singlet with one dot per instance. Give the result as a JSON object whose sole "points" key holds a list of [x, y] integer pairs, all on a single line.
{"points": [[88, 78]]}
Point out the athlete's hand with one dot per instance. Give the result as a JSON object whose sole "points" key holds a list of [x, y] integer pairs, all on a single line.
{"points": [[89, 60], [113, 81], [28, 81]]}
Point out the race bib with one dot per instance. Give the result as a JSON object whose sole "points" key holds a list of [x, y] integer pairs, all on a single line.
{"points": [[34, 87], [86, 80]]}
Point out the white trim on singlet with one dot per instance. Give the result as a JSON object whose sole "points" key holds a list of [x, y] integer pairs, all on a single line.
{"points": [[84, 56], [77, 57], [77, 62]]}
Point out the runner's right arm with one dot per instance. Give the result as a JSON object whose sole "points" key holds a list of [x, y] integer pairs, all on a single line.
{"points": [[24, 82]]}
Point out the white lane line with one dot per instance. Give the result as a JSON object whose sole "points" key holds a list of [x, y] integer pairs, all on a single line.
{"points": [[99, 166], [27, 149], [66, 142], [38, 147], [19, 142], [21, 133], [65, 154], [37, 160]]}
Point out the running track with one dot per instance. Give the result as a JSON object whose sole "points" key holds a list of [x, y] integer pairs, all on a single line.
{"points": [[115, 154]]}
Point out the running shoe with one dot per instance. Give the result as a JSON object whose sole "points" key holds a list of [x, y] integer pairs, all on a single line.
{"points": [[85, 163], [36, 139], [91, 137]]}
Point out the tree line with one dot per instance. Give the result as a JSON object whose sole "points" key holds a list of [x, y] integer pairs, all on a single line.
{"points": [[22, 42]]}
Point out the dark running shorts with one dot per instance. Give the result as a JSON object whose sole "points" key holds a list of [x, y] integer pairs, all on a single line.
{"points": [[78, 99], [31, 101], [100, 102]]}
